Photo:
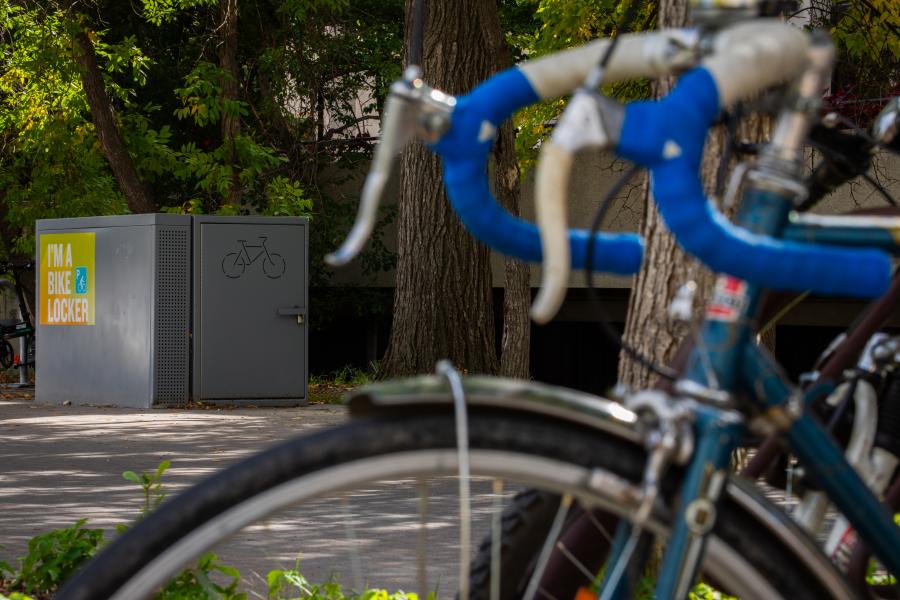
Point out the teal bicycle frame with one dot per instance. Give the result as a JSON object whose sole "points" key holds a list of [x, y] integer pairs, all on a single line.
{"points": [[727, 354]]}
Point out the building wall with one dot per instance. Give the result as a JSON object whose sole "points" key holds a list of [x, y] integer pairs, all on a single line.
{"points": [[596, 172], [571, 350]]}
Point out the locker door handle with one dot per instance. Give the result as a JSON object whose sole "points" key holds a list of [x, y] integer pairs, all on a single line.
{"points": [[291, 311]]}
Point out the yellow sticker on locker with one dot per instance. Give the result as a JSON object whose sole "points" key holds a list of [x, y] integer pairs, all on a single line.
{"points": [[67, 279]]}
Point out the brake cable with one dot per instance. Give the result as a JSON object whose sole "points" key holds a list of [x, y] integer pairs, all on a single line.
{"points": [[617, 339], [415, 41]]}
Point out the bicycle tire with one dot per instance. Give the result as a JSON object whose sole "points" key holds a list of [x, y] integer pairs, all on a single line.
{"points": [[557, 455], [7, 354]]}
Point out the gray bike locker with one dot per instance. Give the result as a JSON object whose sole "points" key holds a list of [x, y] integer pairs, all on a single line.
{"points": [[135, 351], [250, 339]]}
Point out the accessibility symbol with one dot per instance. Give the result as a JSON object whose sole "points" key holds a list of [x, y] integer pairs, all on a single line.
{"points": [[81, 282]]}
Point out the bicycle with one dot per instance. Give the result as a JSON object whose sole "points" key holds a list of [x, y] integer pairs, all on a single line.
{"points": [[20, 328], [656, 465], [235, 263]]}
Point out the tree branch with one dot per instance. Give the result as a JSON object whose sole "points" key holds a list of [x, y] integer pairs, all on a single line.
{"points": [[120, 161]]}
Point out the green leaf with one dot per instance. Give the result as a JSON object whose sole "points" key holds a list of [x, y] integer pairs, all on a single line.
{"points": [[162, 468]]}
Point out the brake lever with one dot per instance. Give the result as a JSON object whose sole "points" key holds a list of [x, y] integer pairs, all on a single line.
{"points": [[412, 110], [591, 120]]}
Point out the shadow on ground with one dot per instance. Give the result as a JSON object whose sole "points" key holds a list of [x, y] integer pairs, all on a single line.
{"points": [[64, 463], [59, 464]]}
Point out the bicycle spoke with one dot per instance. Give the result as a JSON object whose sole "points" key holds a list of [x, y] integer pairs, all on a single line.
{"points": [[422, 540], [496, 537], [599, 526], [350, 533], [572, 559], [545, 594], [549, 544]]}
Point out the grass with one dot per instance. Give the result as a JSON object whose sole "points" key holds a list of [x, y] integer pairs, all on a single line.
{"points": [[330, 388]]}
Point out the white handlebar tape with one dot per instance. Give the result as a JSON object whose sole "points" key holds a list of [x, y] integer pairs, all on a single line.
{"points": [[751, 57], [636, 55]]}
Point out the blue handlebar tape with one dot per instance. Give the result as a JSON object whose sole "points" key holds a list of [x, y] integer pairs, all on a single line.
{"points": [[465, 149], [667, 136]]}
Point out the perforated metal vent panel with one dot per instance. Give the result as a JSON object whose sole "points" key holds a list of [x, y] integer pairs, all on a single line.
{"points": [[173, 307]]}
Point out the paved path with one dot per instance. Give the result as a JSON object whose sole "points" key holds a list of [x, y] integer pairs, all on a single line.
{"points": [[59, 464], [62, 463]]}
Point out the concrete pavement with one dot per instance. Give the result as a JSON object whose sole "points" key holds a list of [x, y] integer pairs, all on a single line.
{"points": [[59, 464]]}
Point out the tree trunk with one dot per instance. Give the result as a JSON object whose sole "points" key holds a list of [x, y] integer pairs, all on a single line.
{"points": [[443, 306], [120, 162], [666, 267], [231, 123], [516, 343]]}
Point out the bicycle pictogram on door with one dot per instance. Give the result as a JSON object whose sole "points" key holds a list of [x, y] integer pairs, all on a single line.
{"points": [[234, 264]]}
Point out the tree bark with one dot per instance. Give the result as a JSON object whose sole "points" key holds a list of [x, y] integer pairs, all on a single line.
{"points": [[666, 266], [515, 347], [515, 344], [231, 123], [136, 194], [443, 305]]}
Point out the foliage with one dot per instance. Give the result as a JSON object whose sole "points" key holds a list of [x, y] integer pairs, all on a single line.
{"points": [[164, 11], [867, 37], [54, 556], [704, 591], [347, 376], [866, 34], [303, 130], [15, 596], [150, 483], [197, 583], [560, 24], [875, 575], [292, 585], [331, 387], [287, 198], [51, 164], [566, 23]]}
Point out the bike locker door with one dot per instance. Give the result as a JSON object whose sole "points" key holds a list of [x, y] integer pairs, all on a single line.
{"points": [[250, 301]]}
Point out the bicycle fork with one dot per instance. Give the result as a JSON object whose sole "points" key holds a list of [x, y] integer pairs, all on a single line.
{"points": [[716, 433]]}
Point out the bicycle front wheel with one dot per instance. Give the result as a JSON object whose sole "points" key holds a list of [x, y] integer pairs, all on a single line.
{"points": [[394, 475]]}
